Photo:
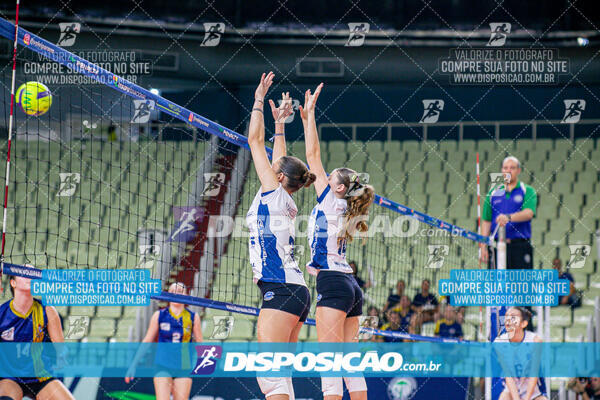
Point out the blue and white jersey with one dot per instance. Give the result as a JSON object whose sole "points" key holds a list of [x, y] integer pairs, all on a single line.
{"points": [[325, 223], [523, 364], [271, 221]]}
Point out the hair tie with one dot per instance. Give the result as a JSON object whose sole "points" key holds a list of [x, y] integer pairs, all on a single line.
{"points": [[357, 184]]}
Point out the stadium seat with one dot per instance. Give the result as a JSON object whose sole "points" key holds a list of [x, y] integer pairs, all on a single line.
{"points": [[556, 334], [561, 317], [88, 311], [243, 329], [575, 334], [102, 327], [109, 312]]}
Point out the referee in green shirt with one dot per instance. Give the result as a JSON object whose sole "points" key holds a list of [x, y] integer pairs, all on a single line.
{"points": [[511, 205]]}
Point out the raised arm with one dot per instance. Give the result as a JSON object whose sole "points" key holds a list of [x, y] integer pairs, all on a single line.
{"points": [[256, 136], [150, 337], [313, 150], [279, 115]]}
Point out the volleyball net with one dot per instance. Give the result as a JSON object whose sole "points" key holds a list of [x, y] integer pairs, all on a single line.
{"points": [[115, 176]]}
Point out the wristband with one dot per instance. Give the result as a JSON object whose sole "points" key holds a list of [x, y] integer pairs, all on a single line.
{"points": [[258, 109], [273, 137], [509, 217]]}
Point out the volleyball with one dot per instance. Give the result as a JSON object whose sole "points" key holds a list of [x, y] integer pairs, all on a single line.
{"points": [[34, 98]]}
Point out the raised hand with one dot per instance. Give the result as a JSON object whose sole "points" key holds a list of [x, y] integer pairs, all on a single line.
{"points": [[263, 87], [310, 101], [284, 110]]}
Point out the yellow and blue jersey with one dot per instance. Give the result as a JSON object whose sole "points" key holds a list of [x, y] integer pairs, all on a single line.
{"points": [[174, 329], [31, 327]]}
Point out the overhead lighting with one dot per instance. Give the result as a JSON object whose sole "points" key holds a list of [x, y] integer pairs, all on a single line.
{"points": [[155, 91], [583, 41]]}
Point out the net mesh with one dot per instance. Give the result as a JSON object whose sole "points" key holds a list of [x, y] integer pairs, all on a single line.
{"points": [[102, 181]]}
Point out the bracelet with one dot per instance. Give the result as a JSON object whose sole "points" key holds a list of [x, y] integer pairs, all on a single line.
{"points": [[259, 100], [258, 109], [273, 137]]}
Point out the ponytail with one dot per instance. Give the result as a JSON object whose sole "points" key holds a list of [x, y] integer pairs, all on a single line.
{"points": [[308, 178], [296, 172], [359, 197]]}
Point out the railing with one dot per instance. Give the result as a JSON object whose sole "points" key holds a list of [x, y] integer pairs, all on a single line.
{"points": [[388, 126]]}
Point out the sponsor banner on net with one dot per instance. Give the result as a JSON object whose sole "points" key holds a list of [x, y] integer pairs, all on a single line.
{"points": [[516, 287], [96, 287], [234, 359]]}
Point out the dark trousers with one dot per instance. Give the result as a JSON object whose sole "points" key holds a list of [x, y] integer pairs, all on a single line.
{"points": [[519, 255]]}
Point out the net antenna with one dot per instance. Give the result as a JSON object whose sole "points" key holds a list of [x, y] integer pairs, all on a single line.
{"points": [[10, 131]]}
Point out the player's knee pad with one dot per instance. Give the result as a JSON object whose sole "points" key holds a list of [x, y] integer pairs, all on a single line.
{"points": [[332, 386], [273, 386], [356, 384]]}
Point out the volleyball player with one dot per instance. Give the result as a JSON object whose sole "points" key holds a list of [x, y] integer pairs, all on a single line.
{"points": [[25, 319], [343, 203], [173, 324], [270, 219], [516, 320]]}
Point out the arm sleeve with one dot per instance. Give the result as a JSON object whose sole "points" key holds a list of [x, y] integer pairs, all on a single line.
{"points": [[530, 200], [486, 214]]}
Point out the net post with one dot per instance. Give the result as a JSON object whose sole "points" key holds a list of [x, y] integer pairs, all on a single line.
{"points": [[501, 248], [500, 264]]}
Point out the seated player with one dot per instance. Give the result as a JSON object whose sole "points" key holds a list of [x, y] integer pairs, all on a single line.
{"points": [[448, 326], [25, 319], [516, 321], [172, 324]]}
